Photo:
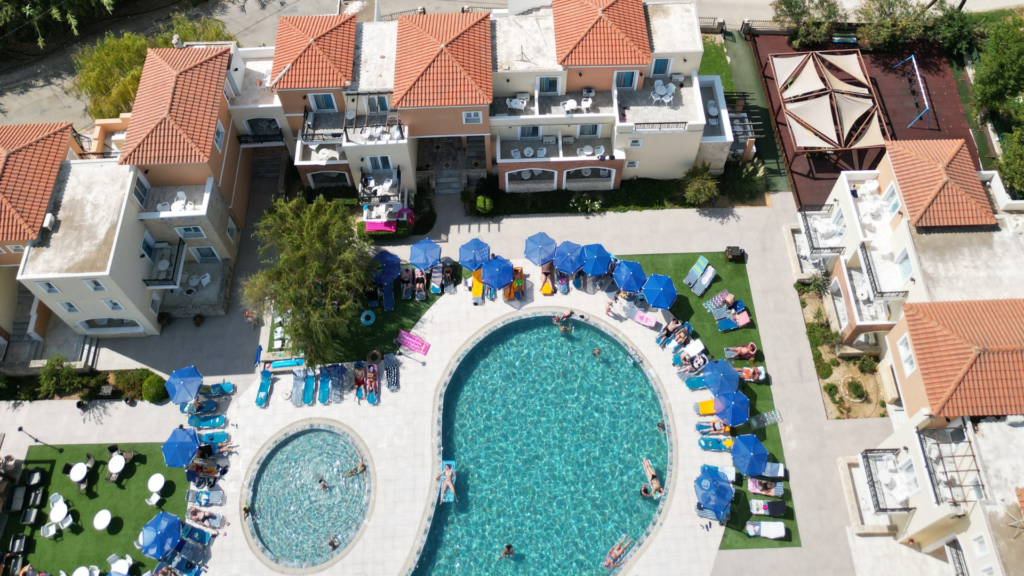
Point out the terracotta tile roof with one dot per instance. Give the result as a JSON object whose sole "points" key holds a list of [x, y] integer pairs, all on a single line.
{"points": [[175, 112], [30, 156], [970, 354], [319, 49], [600, 32], [939, 184], [443, 60]]}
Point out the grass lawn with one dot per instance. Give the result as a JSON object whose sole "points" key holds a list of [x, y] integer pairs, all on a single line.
{"points": [[82, 545], [733, 277], [714, 62]]}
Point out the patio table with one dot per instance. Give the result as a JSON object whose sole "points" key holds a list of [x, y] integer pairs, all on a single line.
{"points": [[116, 464], [78, 472], [528, 152], [660, 89], [58, 512], [178, 206], [588, 150], [121, 567], [156, 483], [101, 520], [193, 282]]}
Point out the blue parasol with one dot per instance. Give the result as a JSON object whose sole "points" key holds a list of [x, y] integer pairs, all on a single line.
{"points": [[540, 249], [732, 408], [595, 260], [720, 378], [714, 492], [180, 448], [569, 257], [659, 291], [259, 352], [160, 535], [497, 273], [390, 268], [183, 385], [473, 254], [425, 254], [629, 276], [749, 456]]}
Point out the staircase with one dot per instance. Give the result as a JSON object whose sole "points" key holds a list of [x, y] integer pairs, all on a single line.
{"points": [[448, 181], [266, 162], [476, 152], [22, 313]]}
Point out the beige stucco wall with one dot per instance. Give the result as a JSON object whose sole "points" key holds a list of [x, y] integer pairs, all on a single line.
{"points": [[214, 224], [425, 122], [9, 258], [403, 155], [305, 170], [682, 63], [176, 174], [8, 299], [663, 155], [912, 386], [600, 77], [555, 125], [507, 84], [240, 203]]}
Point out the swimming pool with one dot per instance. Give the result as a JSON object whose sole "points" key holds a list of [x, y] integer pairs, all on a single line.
{"points": [[293, 519], [548, 441]]}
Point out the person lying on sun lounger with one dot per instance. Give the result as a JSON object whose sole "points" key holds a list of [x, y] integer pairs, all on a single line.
{"points": [[421, 283], [202, 517], [617, 551], [207, 450], [751, 374], [406, 279], [747, 351], [547, 272], [656, 491], [682, 337], [449, 480], [691, 364], [449, 275], [671, 327]]}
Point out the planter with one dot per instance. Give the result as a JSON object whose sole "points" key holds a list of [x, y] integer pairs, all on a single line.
{"points": [[163, 318], [197, 320], [844, 390], [81, 405]]}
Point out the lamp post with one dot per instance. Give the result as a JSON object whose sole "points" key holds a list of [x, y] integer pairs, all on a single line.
{"points": [[38, 441]]}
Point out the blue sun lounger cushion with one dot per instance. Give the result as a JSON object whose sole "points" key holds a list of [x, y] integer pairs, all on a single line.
{"points": [[713, 444], [695, 383], [213, 437], [196, 421], [324, 391], [447, 496], [388, 293], [309, 388]]}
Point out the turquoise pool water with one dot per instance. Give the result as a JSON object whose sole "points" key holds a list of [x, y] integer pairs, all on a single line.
{"points": [[293, 518], [548, 441]]}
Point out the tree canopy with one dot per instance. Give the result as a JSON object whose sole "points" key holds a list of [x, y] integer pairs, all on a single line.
{"points": [[319, 265], [45, 17], [999, 75], [699, 185], [813, 20], [889, 24], [956, 30], [1011, 163], [108, 73]]}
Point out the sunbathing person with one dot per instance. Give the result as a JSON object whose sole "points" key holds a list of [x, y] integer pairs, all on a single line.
{"points": [[691, 364], [751, 374], [207, 450], [203, 517], [656, 490], [421, 283], [669, 329], [448, 278], [747, 351], [406, 279], [547, 272], [449, 481], [617, 551], [681, 337]]}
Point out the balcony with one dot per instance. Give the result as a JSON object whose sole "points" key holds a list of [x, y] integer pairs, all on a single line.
{"points": [[887, 485], [602, 102], [531, 180], [374, 186], [386, 128], [952, 466], [500, 106], [590, 179], [321, 154], [824, 236], [639, 109], [884, 275], [554, 148], [269, 138], [253, 86], [168, 262], [868, 308], [170, 200], [210, 299]]}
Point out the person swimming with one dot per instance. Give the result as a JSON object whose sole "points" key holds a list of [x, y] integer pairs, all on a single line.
{"points": [[656, 491], [506, 552], [613, 558], [323, 485], [449, 480], [359, 469]]}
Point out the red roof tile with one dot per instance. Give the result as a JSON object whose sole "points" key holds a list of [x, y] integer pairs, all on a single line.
{"points": [[443, 60], [600, 32], [939, 184], [175, 111], [970, 354], [30, 156], [319, 49]]}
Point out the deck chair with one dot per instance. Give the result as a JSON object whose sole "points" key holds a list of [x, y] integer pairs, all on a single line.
{"points": [[388, 295], [773, 489], [17, 545], [775, 508], [436, 275], [478, 287], [734, 323], [298, 379], [18, 499], [28, 517], [704, 281], [264, 389], [48, 531], [773, 530], [309, 387], [711, 444], [696, 271], [774, 470]]}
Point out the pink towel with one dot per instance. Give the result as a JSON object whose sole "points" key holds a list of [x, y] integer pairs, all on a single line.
{"points": [[644, 319], [381, 226], [742, 319], [413, 342]]}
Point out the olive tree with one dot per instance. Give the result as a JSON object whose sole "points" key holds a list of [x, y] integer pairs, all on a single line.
{"points": [[813, 21]]}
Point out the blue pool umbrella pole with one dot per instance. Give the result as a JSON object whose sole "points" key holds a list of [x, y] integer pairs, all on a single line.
{"points": [[720, 378], [596, 260], [160, 535], [732, 408], [497, 273], [540, 249], [180, 448], [473, 254], [659, 291], [390, 268], [183, 384], [569, 257], [749, 455], [425, 254], [713, 491], [629, 276]]}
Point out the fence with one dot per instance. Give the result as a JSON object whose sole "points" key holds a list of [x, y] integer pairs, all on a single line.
{"points": [[764, 27], [711, 25], [396, 15]]}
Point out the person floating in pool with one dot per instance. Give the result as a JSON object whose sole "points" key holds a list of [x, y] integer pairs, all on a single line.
{"points": [[449, 481], [612, 560], [506, 552], [333, 543], [323, 485], [359, 469], [653, 489]]}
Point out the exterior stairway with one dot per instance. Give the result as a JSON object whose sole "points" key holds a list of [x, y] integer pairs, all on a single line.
{"points": [[448, 181]]}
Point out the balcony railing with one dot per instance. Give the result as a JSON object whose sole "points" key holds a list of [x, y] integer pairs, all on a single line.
{"points": [[372, 194], [876, 287], [176, 263], [383, 120], [658, 126], [260, 138], [84, 141], [812, 242], [875, 488], [98, 155], [952, 466]]}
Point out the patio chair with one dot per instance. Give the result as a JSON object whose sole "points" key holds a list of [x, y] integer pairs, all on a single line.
{"points": [[17, 545], [773, 530], [48, 531], [204, 281], [112, 449], [55, 499], [94, 571], [112, 476], [66, 469], [35, 477], [542, 152], [710, 444], [704, 281], [655, 96], [599, 150], [516, 154], [774, 470], [112, 559], [658, 83], [35, 500], [667, 99], [586, 104], [579, 152], [67, 522], [18, 499], [153, 499], [180, 196]]}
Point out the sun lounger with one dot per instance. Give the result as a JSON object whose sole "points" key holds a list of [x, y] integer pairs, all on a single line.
{"points": [[436, 275], [774, 470], [704, 282], [707, 428], [773, 530], [721, 517], [388, 295], [390, 364], [715, 302], [290, 363], [413, 342], [774, 489], [762, 375], [695, 383], [212, 437], [197, 535], [298, 381], [264, 390], [209, 421], [705, 408], [734, 323], [197, 407], [221, 389], [694, 369], [478, 287], [28, 517], [18, 499], [35, 477], [694, 348], [205, 498], [715, 444], [324, 387], [563, 282], [661, 340], [726, 472], [309, 388], [644, 319], [336, 372], [776, 508], [695, 271]]}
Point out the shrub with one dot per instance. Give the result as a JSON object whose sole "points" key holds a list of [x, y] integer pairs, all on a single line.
{"points": [[867, 364], [585, 204], [801, 287], [881, 403], [999, 75], [153, 390], [856, 389], [423, 207], [347, 194], [956, 30], [58, 377], [130, 382], [91, 385], [484, 204], [803, 303], [823, 369], [819, 283], [743, 182], [699, 186], [1011, 164], [890, 24], [833, 393], [814, 20], [834, 362]]}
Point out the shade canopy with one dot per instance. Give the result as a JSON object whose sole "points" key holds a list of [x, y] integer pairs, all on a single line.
{"points": [[390, 268], [749, 455], [160, 535], [659, 291], [473, 254], [425, 254], [569, 257], [595, 260], [714, 492], [497, 273], [183, 385], [720, 378], [629, 276], [732, 408], [540, 249], [180, 448]]}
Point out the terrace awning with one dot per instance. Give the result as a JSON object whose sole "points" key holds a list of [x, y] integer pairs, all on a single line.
{"points": [[837, 84], [849, 63], [785, 66], [872, 135], [806, 82], [851, 109], [816, 113]]}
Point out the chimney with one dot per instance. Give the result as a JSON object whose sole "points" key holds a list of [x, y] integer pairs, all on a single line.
{"points": [[176, 41]]}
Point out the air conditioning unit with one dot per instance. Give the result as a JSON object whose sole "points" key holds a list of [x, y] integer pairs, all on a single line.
{"points": [[49, 220]]}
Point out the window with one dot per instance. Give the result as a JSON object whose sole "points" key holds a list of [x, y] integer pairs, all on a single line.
{"points": [[839, 221], [323, 103], [69, 307], [320, 179], [377, 104], [261, 126], [154, 303], [140, 191], [661, 67], [588, 130], [906, 355], [2, 251], [148, 245], [190, 232], [205, 254], [378, 163], [625, 80], [232, 230], [910, 476], [48, 287], [547, 84], [635, 142], [113, 305], [15, 248], [529, 133], [980, 545], [632, 163], [95, 285], [473, 117], [892, 200], [903, 261], [218, 137]]}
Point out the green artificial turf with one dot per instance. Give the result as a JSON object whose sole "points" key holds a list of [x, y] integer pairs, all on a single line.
{"points": [[714, 62], [381, 335], [731, 276], [81, 544]]}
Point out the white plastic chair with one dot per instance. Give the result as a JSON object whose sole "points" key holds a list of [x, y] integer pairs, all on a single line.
{"points": [[190, 205], [586, 103], [516, 154], [48, 531], [163, 207], [579, 152], [153, 500], [542, 152], [111, 559], [204, 280], [386, 186], [129, 560], [179, 196], [667, 99], [599, 151], [658, 83], [55, 499], [66, 522], [94, 571], [655, 96]]}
